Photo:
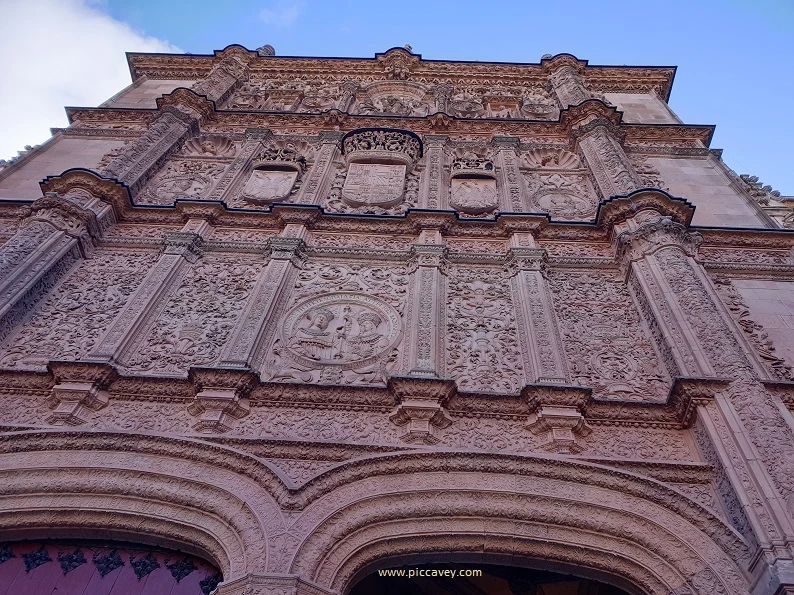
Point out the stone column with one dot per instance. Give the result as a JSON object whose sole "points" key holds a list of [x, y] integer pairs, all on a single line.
{"points": [[510, 188], [597, 138], [56, 232], [321, 175], [541, 346], [182, 249], [435, 186], [223, 79], [742, 424], [424, 345], [272, 286]]}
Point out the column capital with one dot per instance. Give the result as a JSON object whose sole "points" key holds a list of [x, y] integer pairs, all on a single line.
{"points": [[184, 243], [78, 387], [557, 416], [654, 235], [221, 395]]}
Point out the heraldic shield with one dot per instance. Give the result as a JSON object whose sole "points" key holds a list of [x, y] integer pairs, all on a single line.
{"points": [[473, 195], [374, 184], [268, 185]]}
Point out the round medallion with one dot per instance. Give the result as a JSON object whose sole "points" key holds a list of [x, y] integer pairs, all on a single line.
{"points": [[564, 205], [344, 328]]}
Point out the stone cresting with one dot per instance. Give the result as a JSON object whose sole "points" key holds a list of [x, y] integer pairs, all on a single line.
{"points": [[316, 317]]}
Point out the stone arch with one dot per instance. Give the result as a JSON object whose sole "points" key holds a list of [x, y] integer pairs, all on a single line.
{"points": [[154, 491], [584, 519]]}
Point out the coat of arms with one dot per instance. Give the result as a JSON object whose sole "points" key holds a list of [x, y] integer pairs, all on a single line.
{"points": [[473, 195], [265, 185], [374, 184]]}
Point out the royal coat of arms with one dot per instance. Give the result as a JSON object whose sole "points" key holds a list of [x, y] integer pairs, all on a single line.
{"points": [[266, 185], [473, 195], [374, 184]]}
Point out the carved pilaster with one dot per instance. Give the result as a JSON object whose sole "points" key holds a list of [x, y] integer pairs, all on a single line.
{"points": [[434, 183], [510, 187], [442, 95], [262, 306], [349, 90], [56, 232], [181, 249], [319, 178], [567, 84], [541, 345], [221, 397], [223, 79], [420, 408], [143, 157], [698, 338], [79, 387], [226, 188], [597, 138], [424, 343]]}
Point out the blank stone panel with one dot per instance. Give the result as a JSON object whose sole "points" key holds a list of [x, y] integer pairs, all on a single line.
{"points": [[642, 108], [60, 154], [704, 183], [771, 305], [144, 95]]}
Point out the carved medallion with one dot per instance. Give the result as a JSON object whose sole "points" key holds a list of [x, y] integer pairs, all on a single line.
{"points": [[473, 195], [266, 186], [345, 329], [563, 205], [374, 184]]}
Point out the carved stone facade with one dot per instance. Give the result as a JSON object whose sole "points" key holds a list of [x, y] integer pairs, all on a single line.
{"points": [[302, 319]]}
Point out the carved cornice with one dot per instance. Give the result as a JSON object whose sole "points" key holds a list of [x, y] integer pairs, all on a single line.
{"points": [[554, 63], [186, 100], [109, 190], [578, 120], [617, 209], [650, 237]]}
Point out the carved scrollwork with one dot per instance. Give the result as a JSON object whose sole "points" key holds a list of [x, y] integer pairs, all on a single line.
{"points": [[209, 145], [182, 179]]}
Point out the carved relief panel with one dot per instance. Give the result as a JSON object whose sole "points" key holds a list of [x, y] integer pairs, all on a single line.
{"points": [[275, 174], [378, 174], [199, 316], [557, 183], [502, 102], [76, 312], [483, 352], [394, 98], [192, 173], [605, 343], [343, 324]]}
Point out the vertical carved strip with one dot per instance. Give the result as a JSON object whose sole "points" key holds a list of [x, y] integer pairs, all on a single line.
{"points": [[222, 80], [542, 349], [225, 188], [607, 161], [428, 297], [146, 154], [273, 281], [319, 178], [132, 323], [434, 183], [568, 86], [510, 182]]}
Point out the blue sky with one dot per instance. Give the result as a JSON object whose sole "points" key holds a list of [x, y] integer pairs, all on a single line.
{"points": [[733, 56]]}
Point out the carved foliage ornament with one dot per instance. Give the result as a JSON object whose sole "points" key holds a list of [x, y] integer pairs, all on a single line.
{"points": [[276, 174]]}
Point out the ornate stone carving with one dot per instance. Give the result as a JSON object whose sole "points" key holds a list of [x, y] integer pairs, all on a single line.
{"points": [[198, 318], [209, 145], [481, 341], [221, 396], [603, 337], [550, 158], [564, 196], [649, 175], [71, 319], [420, 407], [390, 146], [778, 367], [344, 325], [78, 388], [181, 179], [398, 63]]}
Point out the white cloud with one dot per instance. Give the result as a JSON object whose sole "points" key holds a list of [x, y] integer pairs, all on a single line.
{"points": [[58, 53], [281, 13]]}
